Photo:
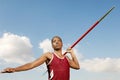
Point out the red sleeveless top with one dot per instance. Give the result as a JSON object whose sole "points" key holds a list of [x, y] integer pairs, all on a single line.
{"points": [[58, 69]]}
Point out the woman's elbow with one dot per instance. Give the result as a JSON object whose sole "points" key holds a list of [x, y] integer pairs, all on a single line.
{"points": [[77, 68]]}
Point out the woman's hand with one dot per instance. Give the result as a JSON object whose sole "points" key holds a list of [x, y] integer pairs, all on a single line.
{"points": [[8, 70], [70, 50]]}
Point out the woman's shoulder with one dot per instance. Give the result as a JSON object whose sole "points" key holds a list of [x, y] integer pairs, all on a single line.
{"points": [[48, 54]]}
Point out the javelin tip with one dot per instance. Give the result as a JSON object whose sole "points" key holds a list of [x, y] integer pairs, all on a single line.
{"points": [[106, 14]]}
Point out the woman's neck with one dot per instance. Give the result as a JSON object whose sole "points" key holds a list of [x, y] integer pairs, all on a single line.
{"points": [[59, 53]]}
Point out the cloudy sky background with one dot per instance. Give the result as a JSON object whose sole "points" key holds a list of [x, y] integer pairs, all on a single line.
{"points": [[26, 28]]}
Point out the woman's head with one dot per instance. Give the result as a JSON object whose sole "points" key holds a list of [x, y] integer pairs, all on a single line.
{"points": [[56, 43]]}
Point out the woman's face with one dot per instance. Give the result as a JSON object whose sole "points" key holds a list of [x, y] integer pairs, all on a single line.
{"points": [[57, 43]]}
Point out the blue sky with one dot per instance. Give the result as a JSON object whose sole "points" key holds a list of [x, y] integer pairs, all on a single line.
{"points": [[26, 24]]}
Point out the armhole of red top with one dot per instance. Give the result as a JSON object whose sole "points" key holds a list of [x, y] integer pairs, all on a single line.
{"points": [[50, 60], [67, 58]]}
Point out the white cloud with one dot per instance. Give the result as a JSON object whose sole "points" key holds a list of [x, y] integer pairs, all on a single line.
{"points": [[15, 49], [46, 45], [101, 65]]}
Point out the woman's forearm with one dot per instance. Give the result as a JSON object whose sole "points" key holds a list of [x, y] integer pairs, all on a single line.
{"points": [[24, 67], [74, 58]]}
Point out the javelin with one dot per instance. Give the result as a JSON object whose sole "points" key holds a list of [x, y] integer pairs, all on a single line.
{"points": [[93, 26]]}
